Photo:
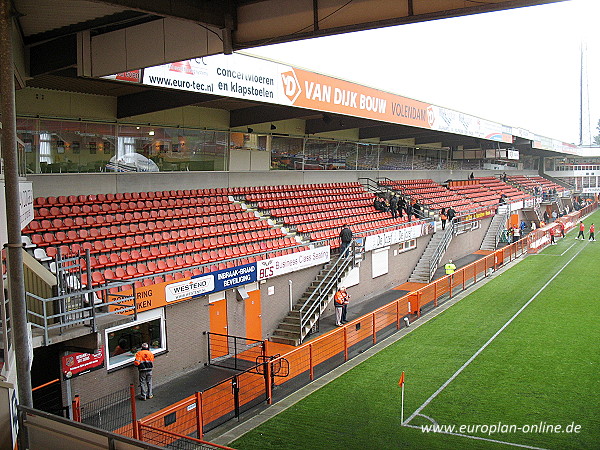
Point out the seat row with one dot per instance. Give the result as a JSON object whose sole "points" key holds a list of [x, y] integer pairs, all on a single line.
{"points": [[128, 196]]}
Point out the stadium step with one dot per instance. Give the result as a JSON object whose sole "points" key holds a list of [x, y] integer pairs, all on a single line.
{"points": [[313, 302]]}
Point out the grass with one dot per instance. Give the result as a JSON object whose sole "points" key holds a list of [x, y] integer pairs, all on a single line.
{"points": [[542, 368]]}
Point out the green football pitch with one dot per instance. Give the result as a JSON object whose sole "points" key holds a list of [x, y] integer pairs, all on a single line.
{"points": [[515, 362]]}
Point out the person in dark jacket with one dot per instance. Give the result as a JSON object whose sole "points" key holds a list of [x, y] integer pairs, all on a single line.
{"points": [[394, 206], [345, 239], [144, 360], [451, 214]]}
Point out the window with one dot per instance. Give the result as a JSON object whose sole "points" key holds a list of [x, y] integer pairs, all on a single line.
{"points": [[124, 341]]}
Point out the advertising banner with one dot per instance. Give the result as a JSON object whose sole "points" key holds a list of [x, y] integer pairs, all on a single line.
{"points": [[396, 236], [269, 268], [75, 364]]}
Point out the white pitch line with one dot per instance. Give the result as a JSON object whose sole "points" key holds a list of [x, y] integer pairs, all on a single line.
{"points": [[475, 437], [549, 254], [489, 341]]}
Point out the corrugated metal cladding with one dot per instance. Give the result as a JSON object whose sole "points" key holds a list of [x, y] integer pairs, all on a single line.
{"points": [[84, 85], [38, 16]]}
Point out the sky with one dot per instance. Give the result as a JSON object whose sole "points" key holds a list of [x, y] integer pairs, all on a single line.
{"points": [[519, 67]]}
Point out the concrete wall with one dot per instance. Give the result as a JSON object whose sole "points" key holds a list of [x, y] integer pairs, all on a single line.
{"points": [[45, 185]]}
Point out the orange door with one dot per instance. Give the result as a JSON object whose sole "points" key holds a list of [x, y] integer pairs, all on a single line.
{"points": [[253, 316], [218, 325]]}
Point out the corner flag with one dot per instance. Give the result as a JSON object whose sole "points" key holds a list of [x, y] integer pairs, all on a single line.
{"points": [[401, 382]]}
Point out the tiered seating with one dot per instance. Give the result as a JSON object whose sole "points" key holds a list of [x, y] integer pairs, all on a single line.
{"points": [[431, 194], [478, 194], [135, 234], [319, 211], [529, 183], [500, 187]]}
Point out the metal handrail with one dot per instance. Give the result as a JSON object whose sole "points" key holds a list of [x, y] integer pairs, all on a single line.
{"points": [[312, 303], [442, 247], [500, 230]]}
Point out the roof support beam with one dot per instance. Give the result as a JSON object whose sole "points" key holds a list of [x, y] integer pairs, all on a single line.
{"points": [[202, 11], [263, 114], [53, 55], [154, 100]]}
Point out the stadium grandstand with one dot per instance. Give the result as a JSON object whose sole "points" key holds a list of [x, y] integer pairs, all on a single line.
{"points": [[194, 202]]}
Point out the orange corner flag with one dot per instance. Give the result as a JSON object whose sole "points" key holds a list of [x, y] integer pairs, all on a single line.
{"points": [[401, 382]]}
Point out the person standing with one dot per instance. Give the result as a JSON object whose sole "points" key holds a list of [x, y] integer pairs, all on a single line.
{"points": [[581, 230], [552, 234], [341, 300], [451, 214], [144, 360], [443, 218], [394, 206], [345, 239], [409, 210], [516, 234], [450, 267], [592, 229]]}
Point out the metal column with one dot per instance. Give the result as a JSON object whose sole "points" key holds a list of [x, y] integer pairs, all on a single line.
{"points": [[13, 222]]}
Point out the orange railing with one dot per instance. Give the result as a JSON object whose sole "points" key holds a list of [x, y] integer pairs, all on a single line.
{"points": [[205, 410]]}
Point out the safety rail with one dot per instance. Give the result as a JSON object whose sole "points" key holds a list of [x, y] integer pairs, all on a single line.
{"points": [[312, 307], [504, 217], [442, 247], [172, 440], [233, 352], [85, 314], [38, 429]]}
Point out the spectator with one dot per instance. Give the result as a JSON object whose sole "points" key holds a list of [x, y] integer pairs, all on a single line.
{"points": [[533, 226], [341, 300], [394, 206], [554, 215], [502, 200], [471, 177], [401, 205], [451, 214], [522, 226], [377, 203], [516, 233], [546, 217], [443, 218], [417, 210], [409, 211], [345, 239], [144, 360]]}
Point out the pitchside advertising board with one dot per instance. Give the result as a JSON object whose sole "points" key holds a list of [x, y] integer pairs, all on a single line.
{"points": [[161, 294], [256, 79]]}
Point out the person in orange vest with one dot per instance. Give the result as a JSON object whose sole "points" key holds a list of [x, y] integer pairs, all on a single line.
{"points": [[341, 300], [592, 229], [581, 230], [144, 360]]}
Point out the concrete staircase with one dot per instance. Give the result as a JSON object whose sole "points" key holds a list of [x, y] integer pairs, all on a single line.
{"points": [[497, 226], [304, 314], [422, 271]]}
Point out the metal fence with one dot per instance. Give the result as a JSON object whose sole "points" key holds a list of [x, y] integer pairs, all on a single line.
{"points": [[234, 352], [113, 412]]}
